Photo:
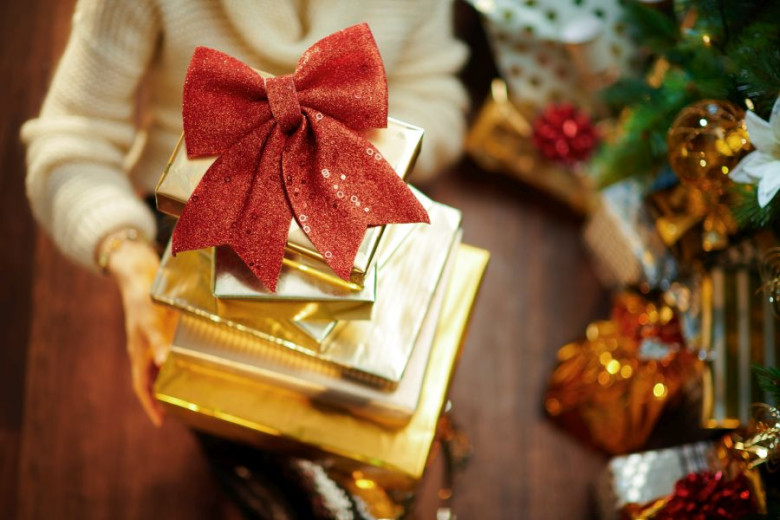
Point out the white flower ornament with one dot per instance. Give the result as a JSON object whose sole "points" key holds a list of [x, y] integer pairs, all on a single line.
{"points": [[762, 166]]}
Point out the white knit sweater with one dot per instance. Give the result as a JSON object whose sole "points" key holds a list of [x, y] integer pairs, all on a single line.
{"points": [[83, 169]]}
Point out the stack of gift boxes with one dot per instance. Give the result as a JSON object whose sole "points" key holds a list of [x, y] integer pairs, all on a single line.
{"points": [[356, 371]]}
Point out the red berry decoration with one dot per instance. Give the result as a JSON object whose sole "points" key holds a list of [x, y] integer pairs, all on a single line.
{"points": [[709, 496], [563, 133]]}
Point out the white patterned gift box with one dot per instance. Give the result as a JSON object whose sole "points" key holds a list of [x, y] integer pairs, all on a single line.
{"points": [[536, 42], [643, 477], [623, 242]]}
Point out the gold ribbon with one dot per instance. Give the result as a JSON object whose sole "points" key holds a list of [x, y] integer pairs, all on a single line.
{"points": [[685, 206], [762, 443]]}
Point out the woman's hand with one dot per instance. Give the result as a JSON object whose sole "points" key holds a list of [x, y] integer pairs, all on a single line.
{"points": [[149, 327]]}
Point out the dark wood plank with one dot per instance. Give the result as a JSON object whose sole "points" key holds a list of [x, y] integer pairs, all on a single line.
{"points": [[32, 34], [539, 293]]}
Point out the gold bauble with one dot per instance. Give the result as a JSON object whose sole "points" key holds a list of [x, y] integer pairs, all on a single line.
{"points": [[706, 142]]}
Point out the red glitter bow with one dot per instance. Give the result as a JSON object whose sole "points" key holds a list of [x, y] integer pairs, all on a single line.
{"points": [[288, 148]]}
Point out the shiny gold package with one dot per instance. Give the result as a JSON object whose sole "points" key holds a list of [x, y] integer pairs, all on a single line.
{"points": [[500, 140], [227, 349], [611, 388], [244, 409], [375, 351], [299, 296], [399, 143], [303, 292], [737, 330]]}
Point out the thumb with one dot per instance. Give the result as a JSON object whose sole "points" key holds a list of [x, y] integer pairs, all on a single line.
{"points": [[160, 348]]}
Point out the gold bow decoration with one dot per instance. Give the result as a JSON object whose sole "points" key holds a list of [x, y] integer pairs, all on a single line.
{"points": [[684, 207], [761, 444]]}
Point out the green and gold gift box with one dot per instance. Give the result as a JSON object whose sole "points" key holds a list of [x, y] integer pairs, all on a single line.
{"points": [[238, 406]]}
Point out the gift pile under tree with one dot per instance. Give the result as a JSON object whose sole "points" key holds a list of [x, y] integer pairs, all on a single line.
{"points": [[682, 221], [324, 302]]}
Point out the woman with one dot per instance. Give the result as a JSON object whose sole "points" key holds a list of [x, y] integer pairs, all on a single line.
{"points": [[97, 143]]}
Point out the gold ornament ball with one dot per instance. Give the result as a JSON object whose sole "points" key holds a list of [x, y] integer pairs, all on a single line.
{"points": [[706, 142]]}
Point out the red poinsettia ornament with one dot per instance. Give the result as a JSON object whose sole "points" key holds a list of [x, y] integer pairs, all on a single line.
{"points": [[563, 133], [290, 147]]}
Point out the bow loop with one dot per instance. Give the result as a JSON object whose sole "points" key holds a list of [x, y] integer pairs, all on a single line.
{"points": [[223, 100], [288, 148], [345, 69]]}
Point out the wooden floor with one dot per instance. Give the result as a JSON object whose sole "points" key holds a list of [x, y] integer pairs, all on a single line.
{"points": [[74, 443]]}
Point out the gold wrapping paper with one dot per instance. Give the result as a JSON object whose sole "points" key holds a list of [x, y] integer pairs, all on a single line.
{"points": [[243, 409], [406, 286], [298, 296], [304, 293], [611, 388], [500, 140], [399, 143], [227, 349], [738, 329], [183, 282]]}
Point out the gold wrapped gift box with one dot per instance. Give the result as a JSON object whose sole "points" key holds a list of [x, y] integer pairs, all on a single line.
{"points": [[245, 409], [303, 293], [500, 140], [738, 330], [406, 287], [298, 296], [399, 144], [230, 350]]}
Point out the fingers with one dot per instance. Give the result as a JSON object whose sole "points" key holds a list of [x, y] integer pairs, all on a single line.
{"points": [[143, 386], [144, 372], [159, 347]]}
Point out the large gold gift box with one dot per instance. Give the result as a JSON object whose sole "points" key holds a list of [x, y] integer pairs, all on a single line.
{"points": [[247, 410], [374, 351], [399, 144], [228, 349]]}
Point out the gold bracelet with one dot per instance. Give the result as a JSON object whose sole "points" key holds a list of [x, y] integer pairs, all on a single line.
{"points": [[114, 241]]}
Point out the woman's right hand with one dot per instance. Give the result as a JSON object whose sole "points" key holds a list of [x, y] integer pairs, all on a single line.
{"points": [[149, 327]]}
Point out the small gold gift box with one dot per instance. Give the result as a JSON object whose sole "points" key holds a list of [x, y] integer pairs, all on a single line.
{"points": [[500, 140], [247, 410], [399, 143], [304, 293], [375, 351]]}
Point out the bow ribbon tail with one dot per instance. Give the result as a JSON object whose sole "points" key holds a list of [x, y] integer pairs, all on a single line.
{"points": [[339, 190], [240, 203]]}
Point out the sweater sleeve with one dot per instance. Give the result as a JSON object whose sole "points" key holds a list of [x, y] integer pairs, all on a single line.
{"points": [[77, 180], [425, 91]]}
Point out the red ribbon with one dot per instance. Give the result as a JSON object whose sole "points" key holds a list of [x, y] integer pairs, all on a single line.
{"points": [[288, 148]]}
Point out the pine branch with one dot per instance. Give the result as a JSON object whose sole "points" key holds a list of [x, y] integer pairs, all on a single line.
{"points": [[750, 216], [651, 26], [769, 380]]}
